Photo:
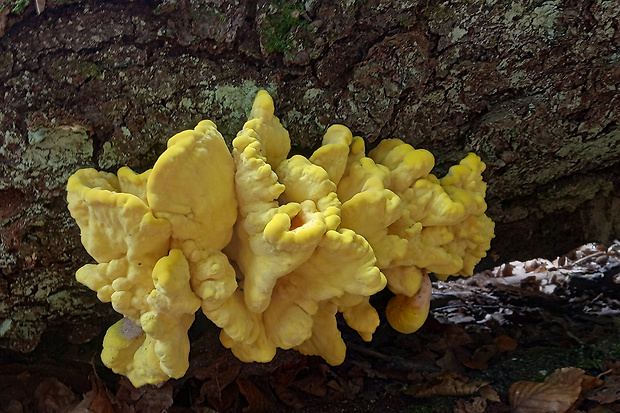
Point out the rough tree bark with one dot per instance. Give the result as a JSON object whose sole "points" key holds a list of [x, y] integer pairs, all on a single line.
{"points": [[531, 86]]}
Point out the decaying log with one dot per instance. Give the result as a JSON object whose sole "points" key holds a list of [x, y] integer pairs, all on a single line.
{"points": [[531, 86]]}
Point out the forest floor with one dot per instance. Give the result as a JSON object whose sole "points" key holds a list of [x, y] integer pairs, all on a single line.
{"points": [[531, 336]]}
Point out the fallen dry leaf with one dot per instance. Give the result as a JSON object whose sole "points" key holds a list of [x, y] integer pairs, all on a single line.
{"points": [[451, 361], [489, 393], [40, 6], [147, 398], [609, 390], [477, 405], [556, 394], [99, 400], [298, 383], [54, 396], [258, 402], [218, 382], [505, 343], [3, 20], [479, 360], [451, 384]]}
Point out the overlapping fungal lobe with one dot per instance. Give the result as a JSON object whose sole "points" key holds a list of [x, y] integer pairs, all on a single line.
{"points": [[369, 207], [442, 222], [286, 243], [344, 287], [415, 223], [121, 233], [407, 314], [154, 237], [155, 348], [192, 187], [442, 217]]}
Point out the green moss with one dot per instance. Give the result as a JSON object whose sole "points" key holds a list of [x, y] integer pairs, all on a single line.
{"points": [[405, 20], [90, 70], [17, 6], [206, 13], [277, 31], [76, 71], [590, 363], [436, 9]]}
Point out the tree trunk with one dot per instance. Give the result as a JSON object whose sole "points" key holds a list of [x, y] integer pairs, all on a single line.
{"points": [[530, 86]]}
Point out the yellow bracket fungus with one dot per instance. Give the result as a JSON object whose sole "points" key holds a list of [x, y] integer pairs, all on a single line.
{"points": [[156, 347], [287, 239], [157, 238], [442, 222], [271, 247]]}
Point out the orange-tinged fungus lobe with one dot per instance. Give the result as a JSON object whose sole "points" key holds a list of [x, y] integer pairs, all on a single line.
{"points": [[297, 222]]}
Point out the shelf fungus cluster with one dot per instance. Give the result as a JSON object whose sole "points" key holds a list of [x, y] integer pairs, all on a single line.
{"points": [[271, 247]]}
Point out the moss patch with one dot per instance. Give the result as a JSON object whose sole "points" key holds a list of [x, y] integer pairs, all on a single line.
{"points": [[280, 22]]}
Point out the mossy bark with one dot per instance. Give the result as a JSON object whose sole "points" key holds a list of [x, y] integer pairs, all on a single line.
{"points": [[531, 86]]}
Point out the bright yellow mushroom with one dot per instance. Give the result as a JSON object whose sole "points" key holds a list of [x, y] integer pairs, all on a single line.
{"points": [[271, 247], [157, 238], [286, 241], [156, 348], [407, 314], [442, 221], [369, 207], [120, 232]]}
